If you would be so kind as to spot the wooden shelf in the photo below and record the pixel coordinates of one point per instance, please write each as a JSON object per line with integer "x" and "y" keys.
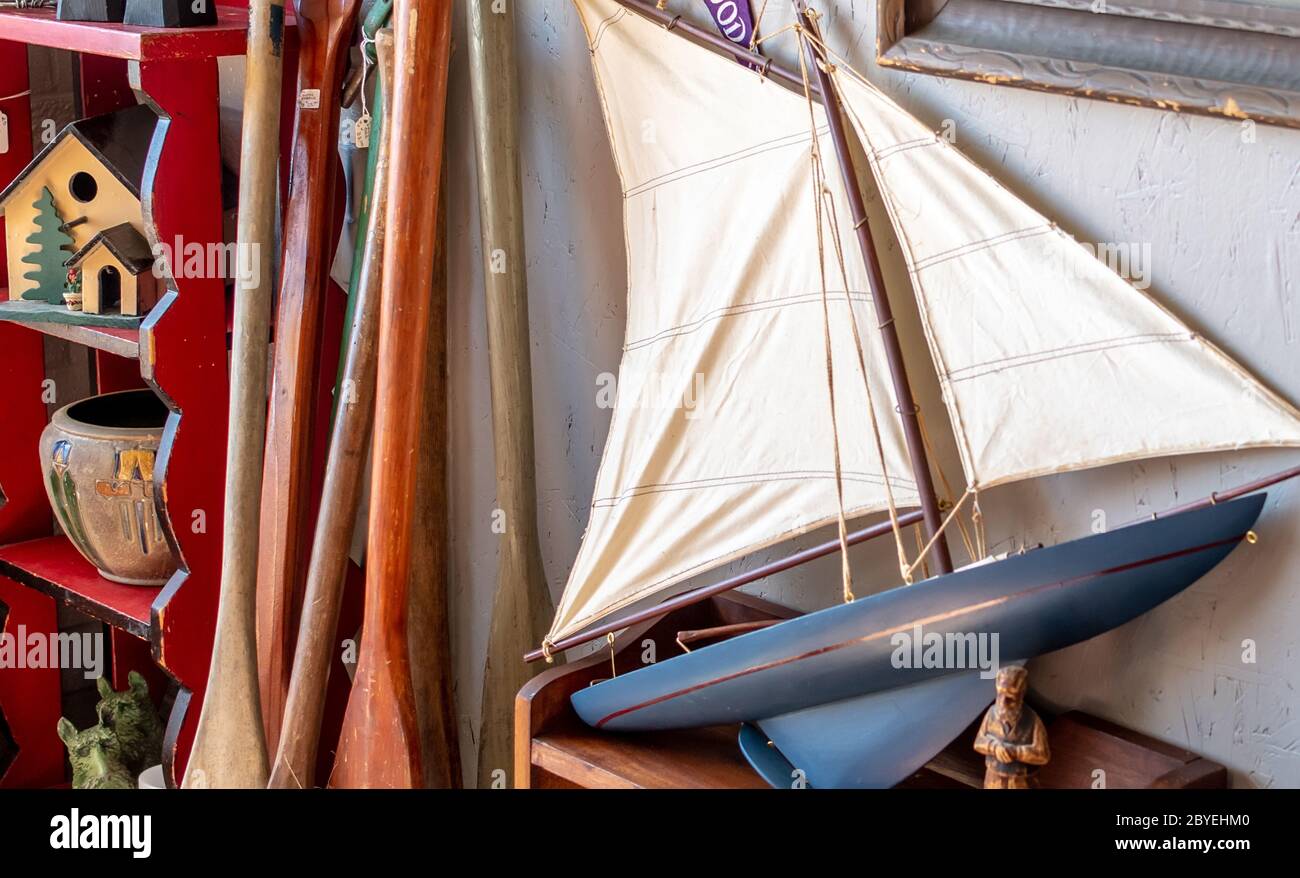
{"x": 44, "y": 312}
{"x": 688, "y": 759}
{"x": 112, "y": 334}
{"x": 53, "y": 566}
{"x": 39, "y": 27}
{"x": 122, "y": 342}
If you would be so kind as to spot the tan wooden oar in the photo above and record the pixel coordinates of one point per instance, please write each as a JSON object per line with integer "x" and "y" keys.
{"x": 522, "y": 607}
{"x": 325, "y": 31}
{"x": 295, "y": 759}
{"x": 229, "y": 747}
{"x": 379, "y": 744}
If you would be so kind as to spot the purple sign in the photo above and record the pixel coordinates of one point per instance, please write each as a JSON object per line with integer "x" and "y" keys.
{"x": 734, "y": 20}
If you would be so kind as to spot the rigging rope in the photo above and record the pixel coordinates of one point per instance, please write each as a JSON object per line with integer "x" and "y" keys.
{"x": 846, "y": 574}
{"x": 758, "y": 22}
{"x": 938, "y": 533}
{"x": 825, "y": 202}
{"x": 947, "y": 488}
{"x": 833, "y": 62}
{"x": 829, "y": 204}
{"x": 977, "y": 519}
{"x": 920, "y": 549}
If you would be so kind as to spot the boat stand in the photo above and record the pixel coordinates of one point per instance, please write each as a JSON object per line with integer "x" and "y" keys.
{"x": 554, "y": 749}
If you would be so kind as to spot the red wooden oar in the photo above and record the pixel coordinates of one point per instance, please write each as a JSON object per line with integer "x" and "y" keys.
{"x": 295, "y": 760}
{"x": 379, "y": 745}
{"x": 324, "y": 32}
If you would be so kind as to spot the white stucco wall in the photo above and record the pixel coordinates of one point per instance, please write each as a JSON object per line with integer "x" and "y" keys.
{"x": 1222, "y": 217}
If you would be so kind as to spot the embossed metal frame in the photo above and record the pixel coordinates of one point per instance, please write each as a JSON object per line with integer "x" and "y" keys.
{"x": 1212, "y": 57}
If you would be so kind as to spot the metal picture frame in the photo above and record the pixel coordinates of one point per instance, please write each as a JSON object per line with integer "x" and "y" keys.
{"x": 1237, "y": 59}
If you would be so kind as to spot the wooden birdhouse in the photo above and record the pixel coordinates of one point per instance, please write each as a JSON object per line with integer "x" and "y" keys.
{"x": 72, "y": 202}
{"x": 115, "y": 275}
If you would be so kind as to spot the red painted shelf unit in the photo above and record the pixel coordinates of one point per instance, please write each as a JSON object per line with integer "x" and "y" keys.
{"x": 180, "y": 350}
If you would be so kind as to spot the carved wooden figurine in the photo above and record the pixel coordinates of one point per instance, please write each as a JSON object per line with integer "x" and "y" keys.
{"x": 1012, "y": 738}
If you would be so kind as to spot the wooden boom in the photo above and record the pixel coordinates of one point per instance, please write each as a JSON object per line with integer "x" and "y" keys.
{"x": 685, "y": 599}
{"x": 522, "y": 608}
{"x": 295, "y": 761}
{"x": 325, "y": 30}
{"x": 379, "y": 744}
{"x": 229, "y": 745}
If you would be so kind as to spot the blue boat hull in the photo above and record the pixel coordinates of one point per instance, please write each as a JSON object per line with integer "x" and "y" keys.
{"x": 868, "y": 741}
{"x": 840, "y": 691}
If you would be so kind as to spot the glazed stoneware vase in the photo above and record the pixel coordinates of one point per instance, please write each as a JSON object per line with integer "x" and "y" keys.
{"x": 98, "y": 458}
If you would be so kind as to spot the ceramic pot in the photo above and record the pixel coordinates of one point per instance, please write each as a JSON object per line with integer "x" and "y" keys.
{"x": 98, "y": 458}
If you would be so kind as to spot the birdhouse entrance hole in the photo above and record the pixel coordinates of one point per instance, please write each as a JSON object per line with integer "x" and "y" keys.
{"x": 83, "y": 187}
{"x": 110, "y": 288}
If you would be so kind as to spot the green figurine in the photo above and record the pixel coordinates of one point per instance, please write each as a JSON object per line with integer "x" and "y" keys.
{"x": 131, "y": 717}
{"x": 127, "y": 739}
{"x": 96, "y": 758}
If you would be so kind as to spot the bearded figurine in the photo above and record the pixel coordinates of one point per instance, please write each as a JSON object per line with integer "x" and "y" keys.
{"x": 1012, "y": 738}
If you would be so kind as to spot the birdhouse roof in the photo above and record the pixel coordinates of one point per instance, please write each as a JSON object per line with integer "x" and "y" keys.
{"x": 119, "y": 140}
{"x": 125, "y": 243}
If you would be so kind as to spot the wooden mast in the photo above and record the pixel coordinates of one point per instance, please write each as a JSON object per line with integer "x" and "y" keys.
{"x": 522, "y": 607}
{"x": 906, "y": 404}
{"x": 229, "y": 744}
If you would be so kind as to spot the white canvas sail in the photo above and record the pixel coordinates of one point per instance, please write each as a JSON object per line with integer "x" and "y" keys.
{"x": 1048, "y": 360}
{"x": 721, "y": 442}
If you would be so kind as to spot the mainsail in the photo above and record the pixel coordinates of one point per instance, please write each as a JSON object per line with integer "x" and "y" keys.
{"x": 720, "y": 441}
{"x": 1048, "y": 360}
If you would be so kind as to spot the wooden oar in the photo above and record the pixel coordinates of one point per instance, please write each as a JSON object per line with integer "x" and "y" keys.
{"x": 376, "y": 17}
{"x": 379, "y": 744}
{"x": 522, "y": 608}
{"x": 324, "y": 31}
{"x": 295, "y": 761}
{"x": 427, "y": 626}
{"x": 229, "y": 747}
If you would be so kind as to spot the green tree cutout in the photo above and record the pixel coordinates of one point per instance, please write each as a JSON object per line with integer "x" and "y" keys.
{"x": 54, "y": 246}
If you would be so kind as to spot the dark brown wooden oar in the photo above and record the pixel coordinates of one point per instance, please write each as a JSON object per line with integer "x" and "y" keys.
{"x": 229, "y": 747}
{"x": 379, "y": 744}
{"x": 295, "y": 760}
{"x": 324, "y": 31}
{"x": 522, "y": 608}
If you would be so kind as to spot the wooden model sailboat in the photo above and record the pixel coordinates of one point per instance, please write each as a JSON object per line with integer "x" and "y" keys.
{"x": 748, "y": 294}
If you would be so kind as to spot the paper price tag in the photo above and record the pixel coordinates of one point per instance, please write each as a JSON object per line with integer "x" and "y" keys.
{"x": 361, "y": 132}
{"x": 4, "y": 133}
{"x": 309, "y": 99}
